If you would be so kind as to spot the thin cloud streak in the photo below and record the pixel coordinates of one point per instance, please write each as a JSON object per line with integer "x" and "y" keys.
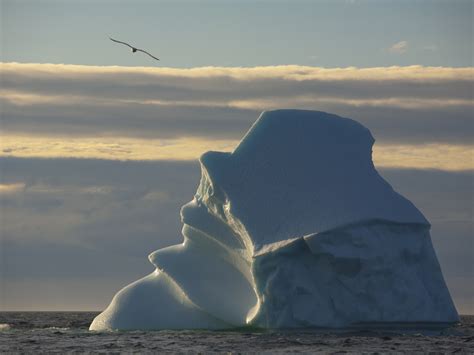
{"x": 114, "y": 148}
{"x": 144, "y": 74}
{"x": 6, "y": 189}
{"x": 423, "y": 156}
{"x": 18, "y": 98}
{"x": 399, "y": 47}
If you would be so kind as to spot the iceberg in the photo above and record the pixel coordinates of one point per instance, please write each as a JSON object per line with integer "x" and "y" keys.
{"x": 294, "y": 228}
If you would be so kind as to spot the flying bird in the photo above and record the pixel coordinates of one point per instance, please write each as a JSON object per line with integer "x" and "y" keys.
{"x": 133, "y": 48}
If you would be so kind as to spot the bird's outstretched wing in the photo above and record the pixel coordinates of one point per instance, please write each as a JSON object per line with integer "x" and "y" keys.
{"x": 121, "y": 42}
{"x": 141, "y": 50}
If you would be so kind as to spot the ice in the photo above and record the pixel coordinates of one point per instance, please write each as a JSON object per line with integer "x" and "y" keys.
{"x": 154, "y": 302}
{"x": 374, "y": 272}
{"x": 295, "y": 228}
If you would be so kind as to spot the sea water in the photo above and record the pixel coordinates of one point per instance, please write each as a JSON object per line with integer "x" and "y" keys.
{"x": 68, "y": 332}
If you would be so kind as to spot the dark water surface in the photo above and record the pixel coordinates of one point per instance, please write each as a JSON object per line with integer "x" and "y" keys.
{"x": 61, "y": 332}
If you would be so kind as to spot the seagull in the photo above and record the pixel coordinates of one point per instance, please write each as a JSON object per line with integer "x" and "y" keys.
{"x": 133, "y": 48}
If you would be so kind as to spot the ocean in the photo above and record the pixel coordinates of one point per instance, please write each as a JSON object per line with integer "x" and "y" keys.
{"x": 61, "y": 332}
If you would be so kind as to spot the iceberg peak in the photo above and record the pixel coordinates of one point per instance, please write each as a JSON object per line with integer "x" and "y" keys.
{"x": 300, "y": 172}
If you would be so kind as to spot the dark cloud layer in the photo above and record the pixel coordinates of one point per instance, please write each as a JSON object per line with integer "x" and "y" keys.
{"x": 72, "y": 219}
{"x": 126, "y": 120}
{"x": 203, "y": 84}
{"x": 388, "y": 125}
{"x": 399, "y": 104}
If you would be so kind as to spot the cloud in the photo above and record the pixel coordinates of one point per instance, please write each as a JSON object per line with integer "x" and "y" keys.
{"x": 89, "y": 214}
{"x": 11, "y": 188}
{"x": 108, "y": 112}
{"x": 151, "y": 123}
{"x": 116, "y": 148}
{"x": 208, "y": 84}
{"x": 424, "y": 156}
{"x": 399, "y": 47}
{"x": 95, "y": 204}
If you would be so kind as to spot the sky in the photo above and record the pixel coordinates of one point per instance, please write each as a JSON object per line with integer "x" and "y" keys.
{"x": 99, "y": 146}
{"x": 240, "y": 33}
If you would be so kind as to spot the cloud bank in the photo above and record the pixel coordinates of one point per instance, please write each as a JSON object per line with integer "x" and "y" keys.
{"x": 96, "y": 161}
{"x": 53, "y": 110}
{"x": 112, "y": 214}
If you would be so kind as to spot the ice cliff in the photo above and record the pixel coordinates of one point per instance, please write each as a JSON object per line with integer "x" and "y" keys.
{"x": 295, "y": 228}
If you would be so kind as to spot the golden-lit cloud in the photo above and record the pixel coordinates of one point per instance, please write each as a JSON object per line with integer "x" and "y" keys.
{"x": 11, "y": 188}
{"x": 146, "y": 75}
{"x": 421, "y": 156}
{"x": 29, "y": 99}
{"x": 115, "y": 148}
{"x": 425, "y": 156}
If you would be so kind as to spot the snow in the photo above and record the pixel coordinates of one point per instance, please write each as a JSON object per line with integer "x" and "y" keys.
{"x": 295, "y": 228}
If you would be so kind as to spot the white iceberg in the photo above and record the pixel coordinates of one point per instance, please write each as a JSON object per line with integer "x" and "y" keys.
{"x": 295, "y": 228}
